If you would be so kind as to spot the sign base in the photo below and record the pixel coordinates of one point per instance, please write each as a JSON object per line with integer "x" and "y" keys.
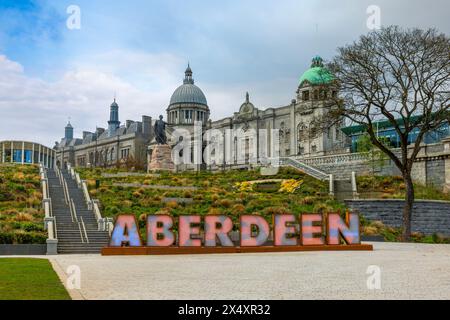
{"x": 139, "y": 251}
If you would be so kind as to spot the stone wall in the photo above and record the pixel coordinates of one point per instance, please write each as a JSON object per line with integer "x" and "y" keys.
{"x": 22, "y": 249}
{"x": 343, "y": 171}
{"x": 429, "y": 217}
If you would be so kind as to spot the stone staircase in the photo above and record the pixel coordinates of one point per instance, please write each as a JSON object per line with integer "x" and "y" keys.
{"x": 75, "y": 235}
{"x": 342, "y": 184}
{"x": 313, "y": 172}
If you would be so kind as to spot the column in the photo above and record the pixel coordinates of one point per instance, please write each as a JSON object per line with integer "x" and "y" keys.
{"x": 23, "y": 152}
{"x": 12, "y": 151}
{"x": 48, "y": 158}
{"x": 39, "y": 154}
{"x": 293, "y": 146}
{"x": 32, "y": 155}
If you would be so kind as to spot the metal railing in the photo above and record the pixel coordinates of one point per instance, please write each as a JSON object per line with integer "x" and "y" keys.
{"x": 50, "y": 220}
{"x": 316, "y": 173}
{"x": 104, "y": 224}
{"x": 83, "y": 226}
{"x": 73, "y": 211}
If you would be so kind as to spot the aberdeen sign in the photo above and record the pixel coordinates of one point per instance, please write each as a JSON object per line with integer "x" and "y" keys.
{"x": 211, "y": 234}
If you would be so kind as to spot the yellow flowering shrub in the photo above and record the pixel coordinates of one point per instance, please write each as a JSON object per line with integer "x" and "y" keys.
{"x": 290, "y": 186}
{"x": 245, "y": 186}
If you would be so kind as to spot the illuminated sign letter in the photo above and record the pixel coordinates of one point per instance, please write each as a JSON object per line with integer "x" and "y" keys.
{"x": 284, "y": 235}
{"x": 186, "y": 231}
{"x": 349, "y": 229}
{"x": 213, "y": 231}
{"x": 160, "y": 227}
{"x": 126, "y": 232}
{"x": 309, "y": 230}
{"x": 247, "y": 223}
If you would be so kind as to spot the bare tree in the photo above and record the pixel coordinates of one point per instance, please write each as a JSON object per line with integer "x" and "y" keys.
{"x": 398, "y": 75}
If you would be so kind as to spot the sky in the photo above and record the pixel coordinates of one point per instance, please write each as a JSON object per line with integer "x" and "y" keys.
{"x": 137, "y": 50}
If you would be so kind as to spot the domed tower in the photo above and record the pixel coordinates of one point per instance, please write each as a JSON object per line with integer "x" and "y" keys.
{"x": 316, "y": 96}
{"x": 317, "y": 83}
{"x": 188, "y": 103}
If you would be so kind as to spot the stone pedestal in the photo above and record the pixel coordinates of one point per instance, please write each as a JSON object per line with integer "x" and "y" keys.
{"x": 161, "y": 158}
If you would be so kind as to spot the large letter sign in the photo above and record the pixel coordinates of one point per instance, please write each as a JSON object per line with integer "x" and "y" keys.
{"x": 191, "y": 234}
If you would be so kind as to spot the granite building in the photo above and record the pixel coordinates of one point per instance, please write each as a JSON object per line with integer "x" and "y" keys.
{"x": 301, "y": 134}
{"x": 297, "y": 122}
{"x": 118, "y": 145}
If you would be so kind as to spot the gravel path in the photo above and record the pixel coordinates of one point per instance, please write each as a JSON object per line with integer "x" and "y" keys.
{"x": 408, "y": 271}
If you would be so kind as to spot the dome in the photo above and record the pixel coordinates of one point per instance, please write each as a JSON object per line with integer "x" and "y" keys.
{"x": 188, "y": 92}
{"x": 317, "y": 74}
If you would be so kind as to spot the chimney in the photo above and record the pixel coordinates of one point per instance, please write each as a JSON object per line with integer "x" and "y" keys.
{"x": 146, "y": 125}
{"x": 99, "y": 131}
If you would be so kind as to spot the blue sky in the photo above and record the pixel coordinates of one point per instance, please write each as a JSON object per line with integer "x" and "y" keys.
{"x": 139, "y": 49}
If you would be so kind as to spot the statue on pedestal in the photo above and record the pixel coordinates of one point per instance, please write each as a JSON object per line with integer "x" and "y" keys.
{"x": 160, "y": 131}
{"x": 161, "y": 153}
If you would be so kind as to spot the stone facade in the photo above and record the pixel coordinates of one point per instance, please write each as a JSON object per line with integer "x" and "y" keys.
{"x": 429, "y": 217}
{"x": 118, "y": 145}
{"x": 300, "y": 131}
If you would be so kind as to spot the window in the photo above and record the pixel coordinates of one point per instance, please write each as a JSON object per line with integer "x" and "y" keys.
{"x": 306, "y": 95}
{"x": 125, "y": 153}
{"x": 188, "y": 116}
{"x": 316, "y": 94}
{"x": 314, "y": 148}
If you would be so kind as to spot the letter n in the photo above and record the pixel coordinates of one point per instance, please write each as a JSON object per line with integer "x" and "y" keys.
{"x": 349, "y": 229}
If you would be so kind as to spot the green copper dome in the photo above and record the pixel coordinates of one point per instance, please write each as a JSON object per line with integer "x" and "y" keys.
{"x": 317, "y": 74}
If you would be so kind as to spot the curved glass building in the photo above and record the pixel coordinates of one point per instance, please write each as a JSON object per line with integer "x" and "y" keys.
{"x": 25, "y": 152}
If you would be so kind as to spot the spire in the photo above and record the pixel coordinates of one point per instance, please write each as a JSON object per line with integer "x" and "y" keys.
{"x": 113, "y": 122}
{"x": 68, "y": 132}
{"x": 247, "y": 98}
{"x": 68, "y": 123}
{"x": 188, "y": 75}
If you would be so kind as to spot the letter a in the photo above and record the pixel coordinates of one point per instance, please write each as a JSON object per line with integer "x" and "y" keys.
{"x": 126, "y": 232}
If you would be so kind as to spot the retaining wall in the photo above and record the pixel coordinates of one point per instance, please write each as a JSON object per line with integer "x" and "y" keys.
{"x": 429, "y": 217}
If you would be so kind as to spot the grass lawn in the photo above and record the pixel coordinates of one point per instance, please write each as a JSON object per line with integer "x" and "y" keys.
{"x": 30, "y": 279}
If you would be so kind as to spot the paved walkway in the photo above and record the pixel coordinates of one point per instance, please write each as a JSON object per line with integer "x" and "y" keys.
{"x": 408, "y": 271}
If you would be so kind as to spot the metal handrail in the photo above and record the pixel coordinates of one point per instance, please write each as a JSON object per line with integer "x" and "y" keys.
{"x": 67, "y": 190}
{"x": 73, "y": 211}
{"x": 104, "y": 224}
{"x": 84, "y": 228}
{"x": 56, "y": 229}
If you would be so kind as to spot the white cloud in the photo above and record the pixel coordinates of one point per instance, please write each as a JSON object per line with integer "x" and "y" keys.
{"x": 37, "y": 110}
